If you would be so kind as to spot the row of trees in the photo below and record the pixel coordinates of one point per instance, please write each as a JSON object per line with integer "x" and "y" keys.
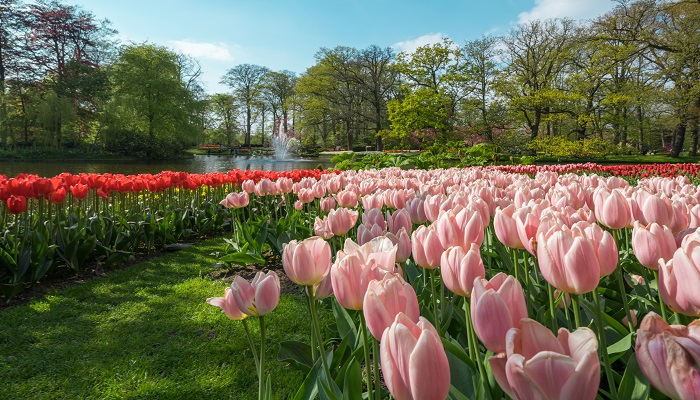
{"x": 65, "y": 83}
{"x": 630, "y": 77}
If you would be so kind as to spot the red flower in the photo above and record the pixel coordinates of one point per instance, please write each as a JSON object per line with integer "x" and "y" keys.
{"x": 59, "y": 195}
{"x": 17, "y": 204}
{"x": 79, "y": 190}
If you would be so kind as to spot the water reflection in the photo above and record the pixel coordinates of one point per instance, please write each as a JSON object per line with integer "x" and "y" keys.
{"x": 198, "y": 164}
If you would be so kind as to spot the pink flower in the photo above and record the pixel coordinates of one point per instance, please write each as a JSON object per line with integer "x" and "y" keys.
{"x": 679, "y": 277}
{"x": 346, "y": 198}
{"x": 539, "y": 365}
{"x": 651, "y": 243}
{"x": 321, "y": 228}
{"x": 426, "y": 247}
{"x": 399, "y": 219}
{"x": 258, "y": 297}
{"x": 350, "y": 278}
{"x": 365, "y": 233}
{"x": 496, "y": 306}
{"x": 460, "y": 228}
{"x": 327, "y": 204}
{"x": 506, "y": 228}
{"x": 459, "y": 269}
{"x": 568, "y": 261}
{"x": 298, "y": 205}
{"x": 236, "y": 200}
{"x": 414, "y": 363}
{"x": 384, "y": 299}
{"x": 416, "y": 210}
{"x": 307, "y": 262}
{"x": 341, "y": 220}
{"x": 403, "y": 244}
{"x": 668, "y": 356}
{"x": 611, "y": 208}
{"x": 228, "y": 304}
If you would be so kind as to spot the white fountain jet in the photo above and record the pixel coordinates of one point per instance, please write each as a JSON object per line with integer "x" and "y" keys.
{"x": 280, "y": 143}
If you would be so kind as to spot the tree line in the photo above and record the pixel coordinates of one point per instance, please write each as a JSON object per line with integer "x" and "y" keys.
{"x": 629, "y": 78}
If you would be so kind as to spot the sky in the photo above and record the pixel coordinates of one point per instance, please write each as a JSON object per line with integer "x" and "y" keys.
{"x": 286, "y": 34}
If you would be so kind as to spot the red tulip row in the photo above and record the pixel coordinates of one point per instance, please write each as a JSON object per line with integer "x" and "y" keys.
{"x": 533, "y": 261}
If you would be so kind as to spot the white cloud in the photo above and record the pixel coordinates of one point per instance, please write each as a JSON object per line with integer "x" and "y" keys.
{"x": 574, "y": 9}
{"x": 410, "y": 46}
{"x": 203, "y": 50}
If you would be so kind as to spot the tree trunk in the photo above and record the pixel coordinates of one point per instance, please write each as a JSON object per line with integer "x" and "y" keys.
{"x": 248, "y": 116}
{"x": 348, "y": 128}
{"x": 640, "y": 120}
{"x": 679, "y": 136}
{"x": 623, "y": 134}
{"x": 694, "y": 136}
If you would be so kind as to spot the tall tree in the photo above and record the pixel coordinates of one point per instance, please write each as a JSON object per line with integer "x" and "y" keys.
{"x": 379, "y": 82}
{"x": 278, "y": 93}
{"x": 245, "y": 81}
{"x": 225, "y": 111}
{"x": 151, "y": 99}
{"x": 536, "y": 53}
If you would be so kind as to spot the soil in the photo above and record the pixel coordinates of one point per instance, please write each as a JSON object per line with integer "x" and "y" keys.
{"x": 95, "y": 270}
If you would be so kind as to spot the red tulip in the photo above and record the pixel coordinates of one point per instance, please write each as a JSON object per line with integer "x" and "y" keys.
{"x": 414, "y": 363}
{"x": 496, "y": 306}
{"x": 384, "y": 299}
{"x": 307, "y": 262}
{"x": 668, "y": 356}
{"x": 228, "y": 304}
{"x": 79, "y": 191}
{"x": 16, "y": 204}
{"x": 58, "y": 195}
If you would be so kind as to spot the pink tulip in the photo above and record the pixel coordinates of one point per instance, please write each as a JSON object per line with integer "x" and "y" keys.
{"x": 539, "y": 365}
{"x": 460, "y": 228}
{"x": 386, "y": 298}
{"x": 228, "y": 304}
{"x": 307, "y": 262}
{"x": 431, "y": 206}
{"x": 496, "y": 306}
{"x": 399, "y": 219}
{"x": 611, "y": 208}
{"x": 568, "y": 261}
{"x": 324, "y": 288}
{"x": 341, "y": 220}
{"x": 668, "y": 356}
{"x": 680, "y": 218}
{"x": 416, "y": 210}
{"x": 284, "y": 185}
{"x": 248, "y": 186}
{"x": 298, "y": 205}
{"x": 506, "y": 228}
{"x": 657, "y": 209}
{"x": 318, "y": 189}
{"x": 350, "y": 278}
{"x": 327, "y": 204}
{"x": 372, "y": 201}
{"x": 236, "y": 200}
{"x": 414, "y": 363}
{"x": 426, "y": 247}
{"x": 625, "y": 320}
{"x": 527, "y": 224}
{"x": 651, "y": 243}
{"x": 346, "y": 198}
{"x": 365, "y": 233}
{"x": 321, "y": 228}
{"x": 679, "y": 277}
{"x": 603, "y": 244}
{"x": 459, "y": 269}
{"x": 403, "y": 244}
{"x": 306, "y": 195}
{"x": 258, "y": 297}
{"x": 374, "y": 216}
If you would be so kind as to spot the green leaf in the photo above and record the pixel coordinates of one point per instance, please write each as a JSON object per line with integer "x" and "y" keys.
{"x": 241, "y": 258}
{"x": 345, "y": 323}
{"x": 634, "y": 385}
{"x": 296, "y": 353}
{"x": 352, "y": 387}
{"x": 308, "y": 388}
{"x": 616, "y": 350}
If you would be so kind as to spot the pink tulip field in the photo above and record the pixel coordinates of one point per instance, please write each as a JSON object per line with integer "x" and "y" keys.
{"x": 479, "y": 283}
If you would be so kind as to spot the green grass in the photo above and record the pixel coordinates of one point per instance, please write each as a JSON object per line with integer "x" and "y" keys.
{"x": 143, "y": 332}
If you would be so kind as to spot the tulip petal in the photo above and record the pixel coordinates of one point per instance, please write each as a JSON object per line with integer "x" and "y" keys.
{"x": 429, "y": 369}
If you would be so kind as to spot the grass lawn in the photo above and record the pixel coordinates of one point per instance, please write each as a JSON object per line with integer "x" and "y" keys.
{"x": 143, "y": 332}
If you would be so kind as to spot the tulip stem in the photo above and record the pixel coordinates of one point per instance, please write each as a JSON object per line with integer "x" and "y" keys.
{"x": 474, "y": 350}
{"x": 604, "y": 343}
{"x": 552, "y": 310}
{"x": 623, "y": 293}
{"x": 252, "y": 344}
{"x": 434, "y": 299}
{"x": 662, "y": 306}
{"x": 314, "y": 340}
{"x": 317, "y": 330}
{"x": 577, "y": 310}
{"x": 365, "y": 348}
{"x": 375, "y": 363}
{"x": 261, "y": 371}
{"x": 515, "y": 264}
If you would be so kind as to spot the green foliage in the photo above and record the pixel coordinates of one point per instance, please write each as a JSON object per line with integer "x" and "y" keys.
{"x": 562, "y": 147}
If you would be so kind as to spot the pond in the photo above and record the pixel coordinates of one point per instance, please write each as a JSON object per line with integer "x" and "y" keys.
{"x": 198, "y": 164}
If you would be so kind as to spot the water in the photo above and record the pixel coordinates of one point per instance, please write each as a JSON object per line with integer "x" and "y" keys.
{"x": 198, "y": 164}
{"x": 281, "y": 143}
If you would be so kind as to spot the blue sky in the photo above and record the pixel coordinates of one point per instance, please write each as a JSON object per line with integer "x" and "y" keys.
{"x": 279, "y": 34}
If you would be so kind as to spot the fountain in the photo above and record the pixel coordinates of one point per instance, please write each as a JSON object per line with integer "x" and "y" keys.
{"x": 280, "y": 143}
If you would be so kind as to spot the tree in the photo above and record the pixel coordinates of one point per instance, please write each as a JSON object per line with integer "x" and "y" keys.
{"x": 379, "y": 82}
{"x": 419, "y": 119}
{"x": 278, "y": 91}
{"x": 151, "y": 103}
{"x": 536, "y": 53}
{"x": 225, "y": 111}
{"x": 245, "y": 81}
